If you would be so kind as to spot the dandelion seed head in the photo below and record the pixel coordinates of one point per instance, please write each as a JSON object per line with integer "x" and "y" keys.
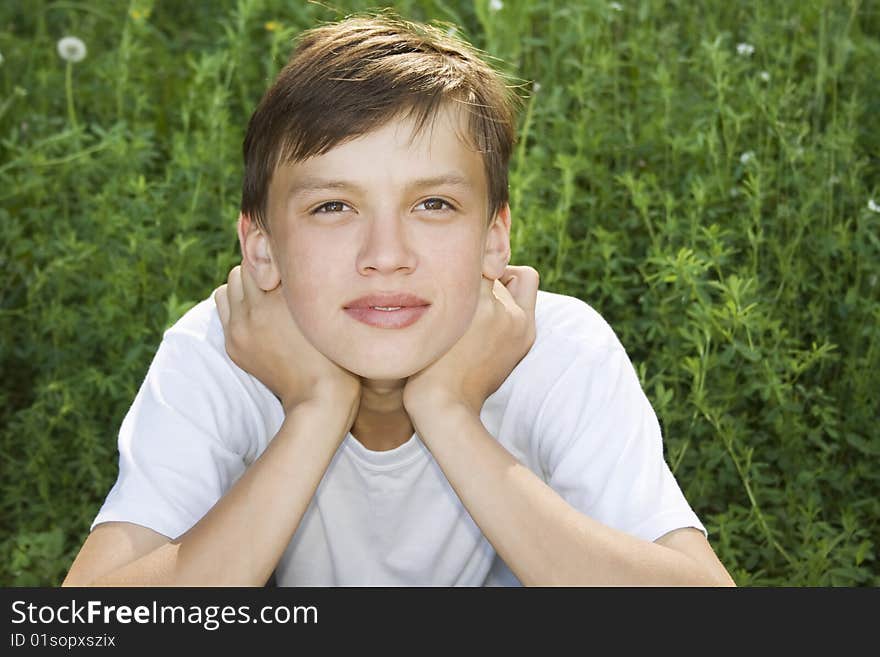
{"x": 71, "y": 49}
{"x": 747, "y": 157}
{"x": 496, "y": 5}
{"x": 872, "y": 206}
{"x": 616, "y": 6}
{"x": 764, "y": 75}
{"x": 745, "y": 49}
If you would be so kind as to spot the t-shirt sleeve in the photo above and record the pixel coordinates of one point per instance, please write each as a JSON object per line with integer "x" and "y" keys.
{"x": 183, "y": 442}
{"x": 602, "y": 448}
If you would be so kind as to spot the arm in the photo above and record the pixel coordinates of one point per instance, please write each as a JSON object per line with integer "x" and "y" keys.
{"x": 232, "y": 544}
{"x": 541, "y": 537}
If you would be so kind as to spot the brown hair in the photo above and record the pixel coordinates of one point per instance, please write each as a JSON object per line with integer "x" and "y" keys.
{"x": 347, "y": 78}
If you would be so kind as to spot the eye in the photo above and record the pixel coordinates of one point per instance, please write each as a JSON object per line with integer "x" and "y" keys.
{"x": 330, "y": 207}
{"x": 435, "y": 204}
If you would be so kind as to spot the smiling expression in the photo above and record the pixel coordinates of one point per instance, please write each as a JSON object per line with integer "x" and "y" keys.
{"x": 386, "y": 220}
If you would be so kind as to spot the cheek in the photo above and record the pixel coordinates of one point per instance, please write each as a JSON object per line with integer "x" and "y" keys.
{"x": 305, "y": 278}
{"x": 455, "y": 267}
{"x": 307, "y": 271}
{"x": 464, "y": 305}
{"x": 458, "y": 280}
{"x": 316, "y": 283}
{"x": 457, "y": 270}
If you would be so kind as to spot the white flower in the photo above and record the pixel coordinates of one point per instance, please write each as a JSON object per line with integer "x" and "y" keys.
{"x": 764, "y": 75}
{"x": 873, "y": 207}
{"x": 496, "y": 5}
{"x": 616, "y": 6}
{"x": 747, "y": 157}
{"x": 745, "y": 49}
{"x": 536, "y": 87}
{"x": 71, "y": 49}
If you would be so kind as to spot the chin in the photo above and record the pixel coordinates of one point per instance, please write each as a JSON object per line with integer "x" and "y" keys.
{"x": 383, "y": 363}
{"x": 381, "y": 369}
{"x": 388, "y": 356}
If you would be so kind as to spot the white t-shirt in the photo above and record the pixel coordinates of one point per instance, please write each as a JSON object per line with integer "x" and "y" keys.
{"x": 572, "y": 411}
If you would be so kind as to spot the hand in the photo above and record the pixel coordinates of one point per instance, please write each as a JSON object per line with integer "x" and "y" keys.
{"x": 499, "y": 336}
{"x": 263, "y": 339}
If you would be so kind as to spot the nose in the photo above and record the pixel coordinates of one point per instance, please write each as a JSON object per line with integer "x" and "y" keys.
{"x": 386, "y": 247}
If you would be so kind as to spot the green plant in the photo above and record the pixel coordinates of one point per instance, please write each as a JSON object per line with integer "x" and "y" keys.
{"x": 706, "y": 176}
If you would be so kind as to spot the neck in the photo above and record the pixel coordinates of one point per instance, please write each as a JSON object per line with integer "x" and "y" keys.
{"x": 382, "y": 423}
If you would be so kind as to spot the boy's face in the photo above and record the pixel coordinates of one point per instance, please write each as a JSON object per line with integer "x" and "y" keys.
{"x": 386, "y": 213}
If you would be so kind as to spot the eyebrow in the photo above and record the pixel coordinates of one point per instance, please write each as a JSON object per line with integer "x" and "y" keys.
{"x": 311, "y": 183}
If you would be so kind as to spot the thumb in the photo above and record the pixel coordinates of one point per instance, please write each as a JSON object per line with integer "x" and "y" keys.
{"x": 222, "y": 301}
{"x": 522, "y": 283}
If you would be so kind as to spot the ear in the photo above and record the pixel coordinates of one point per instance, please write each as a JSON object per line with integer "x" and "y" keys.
{"x": 496, "y": 254}
{"x": 256, "y": 253}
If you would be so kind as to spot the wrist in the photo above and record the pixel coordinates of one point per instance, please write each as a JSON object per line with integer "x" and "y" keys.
{"x": 436, "y": 403}
{"x": 334, "y": 419}
{"x": 443, "y": 422}
{"x": 331, "y": 409}
{"x": 324, "y": 397}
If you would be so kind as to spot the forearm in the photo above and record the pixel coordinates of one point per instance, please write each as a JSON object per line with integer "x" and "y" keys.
{"x": 543, "y": 539}
{"x": 240, "y": 540}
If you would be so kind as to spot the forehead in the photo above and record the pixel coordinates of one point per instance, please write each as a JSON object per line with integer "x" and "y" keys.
{"x": 400, "y": 150}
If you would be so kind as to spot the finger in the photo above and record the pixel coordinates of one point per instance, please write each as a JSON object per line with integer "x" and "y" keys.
{"x": 222, "y": 302}
{"x": 235, "y": 292}
{"x": 485, "y": 298}
{"x": 522, "y": 282}
{"x": 249, "y": 285}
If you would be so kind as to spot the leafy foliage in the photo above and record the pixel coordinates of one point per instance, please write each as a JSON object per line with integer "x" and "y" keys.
{"x": 706, "y": 176}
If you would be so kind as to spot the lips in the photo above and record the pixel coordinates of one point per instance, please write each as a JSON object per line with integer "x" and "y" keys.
{"x": 400, "y": 310}
{"x": 388, "y": 300}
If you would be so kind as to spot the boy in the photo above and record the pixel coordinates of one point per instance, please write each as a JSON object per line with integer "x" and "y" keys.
{"x": 375, "y": 397}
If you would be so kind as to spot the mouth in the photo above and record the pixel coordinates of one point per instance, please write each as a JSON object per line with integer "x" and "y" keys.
{"x": 389, "y": 311}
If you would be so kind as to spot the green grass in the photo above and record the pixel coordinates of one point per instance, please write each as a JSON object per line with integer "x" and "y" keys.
{"x": 714, "y": 204}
